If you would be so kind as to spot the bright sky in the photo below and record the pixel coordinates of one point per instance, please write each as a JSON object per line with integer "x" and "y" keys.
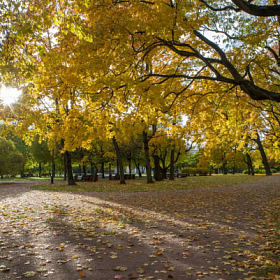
{"x": 9, "y": 95}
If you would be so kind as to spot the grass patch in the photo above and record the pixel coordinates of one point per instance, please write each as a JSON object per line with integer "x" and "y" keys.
{"x": 138, "y": 185}
{"x": 19, "y": 179}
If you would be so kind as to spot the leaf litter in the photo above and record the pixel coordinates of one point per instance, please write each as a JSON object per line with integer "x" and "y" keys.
{"x": 221, "y": 233}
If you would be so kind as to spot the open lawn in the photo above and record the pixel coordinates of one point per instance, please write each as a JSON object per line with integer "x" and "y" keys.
{"x": 139, "y": 185}
{"x": 29, "y": 179}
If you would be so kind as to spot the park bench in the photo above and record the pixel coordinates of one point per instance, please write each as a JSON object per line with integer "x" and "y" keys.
{"x": 129, "y": 176}
{"x": 168, "y": 175}
{"x": 126, "y": 177}
{"x": 85, "y": 178}
{"x": 27, "y": 175}
{"x": 181, "y": 175}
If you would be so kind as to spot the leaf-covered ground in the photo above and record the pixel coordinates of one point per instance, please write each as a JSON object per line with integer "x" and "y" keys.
{"x": 226, "y": 232}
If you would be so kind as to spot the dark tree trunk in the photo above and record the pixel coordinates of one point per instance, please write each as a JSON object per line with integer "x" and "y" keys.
{"x": 129, "y": 165}
{"x": 22, "y": 171}
{"x": 80, "y": 169}
{"x": 139, "y": 170}
{"x": 118, "y": 169}
{"x": 137, "y": 165}
{"x": 172, "y": 159}
{"x": 249, "y": 169}
{"x": 164, "y": 172}
{"x": 110, "y": 172}
{"x": 95, "y": 176}
{"x": 40, "y": 169}
{"x": 103, "y": 169}
{"x": 84, "y": 169}
{"x": 71, "y": 180}
{"x": 264, "y": 158}
{"x": 147, "y": 158}
{"x": 118, "y": 153}
{"x": 225, "y": 170}
{"x": 157, "y": 175}
{"x": 91, "y": 168}
{"x": 53, "y": 168}
{"x": 65, "y": 166}
{"x": 250, "y": 165}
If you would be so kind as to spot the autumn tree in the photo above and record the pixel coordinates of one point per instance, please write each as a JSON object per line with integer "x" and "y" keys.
{"x": 98, "y": 69}
{"x": 40, "y": 152}
{"x": 11, "y": 160}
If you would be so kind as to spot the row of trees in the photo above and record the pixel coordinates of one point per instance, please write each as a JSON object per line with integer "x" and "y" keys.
{"x": 123, "y": 70}
{"x": 102, "y": 156}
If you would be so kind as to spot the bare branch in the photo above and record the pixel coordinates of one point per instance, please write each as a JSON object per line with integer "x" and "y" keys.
{"x": 257, "y": 10}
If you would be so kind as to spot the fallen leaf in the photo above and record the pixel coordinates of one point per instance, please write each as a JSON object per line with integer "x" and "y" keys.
{"x": 29, "y": 274}
{"x": 140, "y": 270}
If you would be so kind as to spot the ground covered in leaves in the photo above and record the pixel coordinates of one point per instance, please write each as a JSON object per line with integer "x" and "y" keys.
{"x": 224, "y": 232}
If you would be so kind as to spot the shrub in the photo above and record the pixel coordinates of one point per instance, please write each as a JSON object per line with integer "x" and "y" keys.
{"x": 193, "y": 171}
{"x": 260, "y": 171}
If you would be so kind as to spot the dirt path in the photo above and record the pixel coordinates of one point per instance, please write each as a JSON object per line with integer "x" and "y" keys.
{"x": 215, "y": 233}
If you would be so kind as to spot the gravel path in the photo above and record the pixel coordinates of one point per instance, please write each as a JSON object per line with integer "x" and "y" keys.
{"x": 215, "y": 233}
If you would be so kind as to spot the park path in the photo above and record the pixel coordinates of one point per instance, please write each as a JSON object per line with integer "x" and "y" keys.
{"x": 215, "y": 233}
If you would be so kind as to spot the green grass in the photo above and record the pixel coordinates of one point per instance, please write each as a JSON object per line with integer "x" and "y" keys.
{"x": 104, "y": 185}
{"x": 19, "y": 179}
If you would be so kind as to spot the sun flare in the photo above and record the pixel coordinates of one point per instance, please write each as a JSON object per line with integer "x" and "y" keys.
{"x": 9, "y": 96}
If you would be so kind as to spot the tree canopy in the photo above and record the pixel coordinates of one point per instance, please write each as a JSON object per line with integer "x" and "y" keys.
{"x": 104, "y": 68}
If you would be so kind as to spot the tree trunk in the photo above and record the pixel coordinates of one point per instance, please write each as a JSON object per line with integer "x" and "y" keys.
{"x": 118, "y": 153}
{"x": 129, "y": 165}
{"x": 164, "y": 172}
{"x": 249, "y": 169}
{"x": 22, "y": 171}
{"x": 65, "y": 167}
{"x": 139, "y": 171}
{"x": 137, "y": 165}
{"x": 118, "y": 169}
{"x": 147, "y": 158}
{"x": 225, "y": 170}
{"x": 110, "y": 172}
{"x": 40, "y": 169}
{"x": 53, "y": 168}
{"x": 95, "y": 176}
{"x": 102, "y": 168}
{"x": 250, "y": 165}
{"x": 264, "y": 158}
{"x": 84, "y": 169}
{"x": 172, "y": 156}
{"x": 157, "y": 175}
{"x": 71, "y": 180}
